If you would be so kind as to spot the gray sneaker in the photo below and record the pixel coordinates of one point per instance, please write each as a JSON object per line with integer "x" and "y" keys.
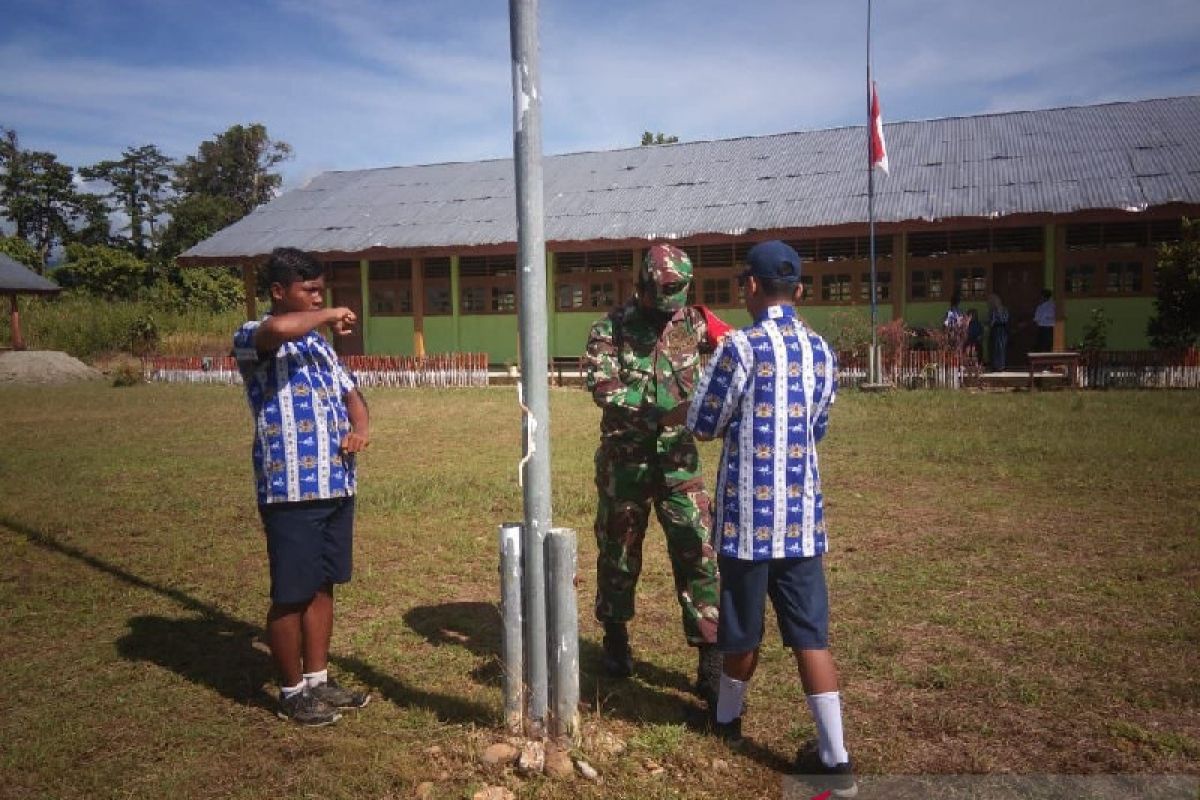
{"x": 334, "y": 694}
{"x": 305, "y": 709}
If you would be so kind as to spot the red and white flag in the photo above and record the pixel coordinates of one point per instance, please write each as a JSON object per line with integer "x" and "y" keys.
{"x": 878, "y": 148}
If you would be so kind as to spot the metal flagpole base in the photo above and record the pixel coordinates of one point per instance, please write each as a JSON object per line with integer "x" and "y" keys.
{"x": 874, "y": 381}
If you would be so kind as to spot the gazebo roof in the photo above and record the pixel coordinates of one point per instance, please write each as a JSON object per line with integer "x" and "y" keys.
{"x": 16, "y": 278}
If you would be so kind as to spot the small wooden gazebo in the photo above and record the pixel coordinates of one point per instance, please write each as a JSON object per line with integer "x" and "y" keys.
{"x": 15, "y": 279}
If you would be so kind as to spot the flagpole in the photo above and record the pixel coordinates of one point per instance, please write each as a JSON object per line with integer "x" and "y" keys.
{"x": 873, "y": 361}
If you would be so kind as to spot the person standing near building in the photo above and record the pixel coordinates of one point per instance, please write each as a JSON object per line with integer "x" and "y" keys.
{"x": 997, "y": 333}
{"x": 310, "y": 421}
{"x": 1043, "y": 318}
{"x": 767, "y": 391}
{"x": 643, "y": 359}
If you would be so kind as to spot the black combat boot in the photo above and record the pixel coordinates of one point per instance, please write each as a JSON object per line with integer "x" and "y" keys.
{"x": 708, "y": 674}
{"x": 618, "y": 658}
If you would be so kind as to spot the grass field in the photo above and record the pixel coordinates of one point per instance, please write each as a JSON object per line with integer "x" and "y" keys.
{"x": 1015, "y": 586}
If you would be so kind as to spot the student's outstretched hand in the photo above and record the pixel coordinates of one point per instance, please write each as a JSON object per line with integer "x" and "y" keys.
{"x": 343, "y": 321}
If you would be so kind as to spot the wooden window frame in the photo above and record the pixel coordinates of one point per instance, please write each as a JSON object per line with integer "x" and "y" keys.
{"x": 1102, "y": 244}
{"x": 391, "y": 275}
{"x": 492, "y": 279}
{"x": 600, "y": 278}
{"x": 435, "y": 277}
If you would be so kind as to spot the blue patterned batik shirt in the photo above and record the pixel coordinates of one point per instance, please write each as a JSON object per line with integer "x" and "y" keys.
{"x": 768, "y": 389}
{"x": 297, "y": 396}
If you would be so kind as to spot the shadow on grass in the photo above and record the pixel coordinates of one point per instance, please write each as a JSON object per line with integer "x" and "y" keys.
{"x": 216, "y": 650}
{"x": 476, "y": 626}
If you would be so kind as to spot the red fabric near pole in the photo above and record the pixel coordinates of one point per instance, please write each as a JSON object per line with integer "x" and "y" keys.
{"x": 878, "y": 148}
{"x": 717, "y": 327}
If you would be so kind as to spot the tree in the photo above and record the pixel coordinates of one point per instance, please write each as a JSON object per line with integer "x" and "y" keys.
{"x": 19, "y": 250}
{"x": 102, "y": 271}
{"x": 194, "y": 219}
{"x": 39, "y": 196}
{"x": 236, "y": 164}
{"x": 139, "y": 182}
{"x": 649, "y": 138}
{"x": 1176, "y": 320}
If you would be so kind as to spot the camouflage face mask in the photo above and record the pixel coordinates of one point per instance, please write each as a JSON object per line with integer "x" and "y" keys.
{"x": 666, "y": 273}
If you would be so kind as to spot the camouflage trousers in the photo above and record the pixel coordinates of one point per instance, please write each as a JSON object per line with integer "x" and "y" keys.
{"x": 627, "y": 490}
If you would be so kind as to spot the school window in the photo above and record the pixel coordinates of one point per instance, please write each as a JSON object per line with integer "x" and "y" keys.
{"x": 835, "y": 288}
{"x": 592, "y": 280}
{"x": 1018, "y": 240}
{"x": 926, "y": 284}
{"x": 488, "y": 284}
{"x": 971, "y": 282}
{"x": 345, "y": 273}
{"x": 715, "y": 268}
{"x": 883, "y": 286}
{"x": 570, "y": 296}
{"x": 436, "y": 276}
{"x": 474, "y": 300}
{"x": 602, "y": 295}
{"x": 716, "y": 291}
{"x": 390, "y": 287}
{"x": 1123, "y": 277}
{"x": 1081, "y": 279}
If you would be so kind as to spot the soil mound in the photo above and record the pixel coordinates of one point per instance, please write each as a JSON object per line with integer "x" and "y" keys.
{"x": 44, "y": 367}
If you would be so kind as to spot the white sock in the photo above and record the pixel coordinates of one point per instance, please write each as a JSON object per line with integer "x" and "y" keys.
{"x": 315, "y": 679}
{"x": 289, "y": 691}
{"x": 730, "y": 699}
{"x": 827, "y": 713}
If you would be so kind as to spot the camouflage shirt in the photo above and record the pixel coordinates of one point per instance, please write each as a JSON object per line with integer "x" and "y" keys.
{"x": 638, "y": 369}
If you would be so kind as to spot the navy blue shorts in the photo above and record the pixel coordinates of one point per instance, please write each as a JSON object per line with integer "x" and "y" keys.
{"x": 796, "y": 587}
{"x": 308, "y": 545}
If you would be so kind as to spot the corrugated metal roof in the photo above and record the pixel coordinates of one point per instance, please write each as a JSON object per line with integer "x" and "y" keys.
{"x": 17, "y": 278}
{"x": 1127, "y": 156}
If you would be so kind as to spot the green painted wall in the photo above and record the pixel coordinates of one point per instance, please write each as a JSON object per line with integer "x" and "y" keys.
{"x": 440, "y": 335}
{"x": 494, "y": 334}
{"x": 1128, "y": 317}
{"x": 390, "y": 336}
{"x": 931, "y": 314}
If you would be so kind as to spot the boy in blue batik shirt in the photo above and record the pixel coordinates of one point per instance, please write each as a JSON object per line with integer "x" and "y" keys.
{"x": 309, "y": 422}
{"x": 768, "y": 390}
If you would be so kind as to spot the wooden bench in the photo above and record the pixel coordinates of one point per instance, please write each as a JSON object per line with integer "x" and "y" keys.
{"x": 1068, "y": 360}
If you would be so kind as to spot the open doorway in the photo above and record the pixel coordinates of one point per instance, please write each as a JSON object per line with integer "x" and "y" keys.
{"x": 1020, "y": 288}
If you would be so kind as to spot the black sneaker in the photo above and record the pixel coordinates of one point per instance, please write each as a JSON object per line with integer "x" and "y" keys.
{"x": 838, "y": 780}
{"x": 728, "y": 732}
{"x": 618, "y": 657}
{"x": 305, "y": 709}
{"x": 334, "y": 694}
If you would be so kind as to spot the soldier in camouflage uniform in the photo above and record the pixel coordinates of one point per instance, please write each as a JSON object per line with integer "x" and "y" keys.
{"x": 643, "y": 359}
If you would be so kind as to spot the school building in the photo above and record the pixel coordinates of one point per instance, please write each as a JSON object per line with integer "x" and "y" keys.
{"x": 1072, "y": 199}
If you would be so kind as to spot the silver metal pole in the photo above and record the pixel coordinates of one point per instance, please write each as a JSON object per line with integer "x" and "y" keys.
{"x": 531, "y": 310}
{"x": 564, "y": 634}
{"x": 510, "y": 616}
{"x": 873, "y": 362}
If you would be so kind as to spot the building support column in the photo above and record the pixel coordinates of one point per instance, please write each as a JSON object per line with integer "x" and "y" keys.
{"x": 1050, "y": 280}
{"x": 18, "y": 343}
{"x": 455, "y": 304}
{"x": 551, "y": 310}
{"x": 418, "y": 307}
{"x": 364, "y": 289}
{"x": 899, "y": 274}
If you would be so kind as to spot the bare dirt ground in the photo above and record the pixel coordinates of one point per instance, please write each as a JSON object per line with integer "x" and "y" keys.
{"x": 44, "y": 367}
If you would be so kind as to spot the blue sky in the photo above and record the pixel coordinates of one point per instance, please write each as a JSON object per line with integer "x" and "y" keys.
{"x": 366, "y": 83}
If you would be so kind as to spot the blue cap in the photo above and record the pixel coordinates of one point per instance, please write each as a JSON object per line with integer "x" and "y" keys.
{"x": 774, "y": 260}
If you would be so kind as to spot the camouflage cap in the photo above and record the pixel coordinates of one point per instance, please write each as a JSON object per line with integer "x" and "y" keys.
{"x": 666, "y": 274}
{"x": 666, "y": 264}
